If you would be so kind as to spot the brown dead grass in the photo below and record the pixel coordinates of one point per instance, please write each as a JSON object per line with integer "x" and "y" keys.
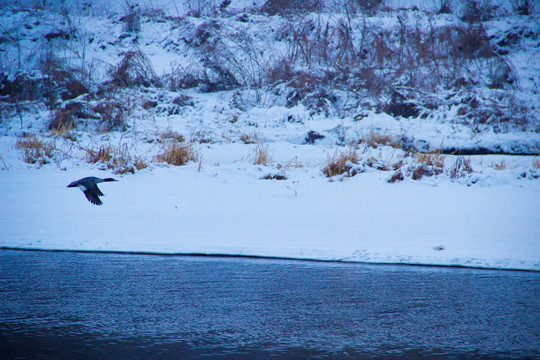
{"x": 341, "y": 163}
{"x": 35, "y": 150}
{"x": 435, "y": 159}
{"x": 248, "y": 139}
{"x": 260, "y": 155}
{"x": 375, "y": 140}
{"x": 427, "y": 164}
{"x": 118, "y": 158}
{"x": 499, "y": 166}
{"x": 102, "y": 154}
{"x": 178, "y": 154}
{"x": 171, "y": 135}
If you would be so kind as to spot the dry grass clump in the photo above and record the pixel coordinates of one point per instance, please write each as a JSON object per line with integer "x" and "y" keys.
{"x": 374, "y": 140}
{"x": 293, "y": 163}
{"x": 123, "y": 162}
{"x": 248, "y": 139}
{"x": 62, "y": 121}
{"x": 118, "y": 159}
{"x": 435, "y": 159}
{"x": 101, "y": 154}
{"x": 65, "y": 132}
{"x": 36, "y": 151}
{"x": 342, "y": 162}
{"x": 427, "y": 164}
{"x": 261, "y": 155}
{"x": 536, "y": 164}
{"x": 422, "y": 170}
{"x": 171, "y": 135}
{"x": 178, "y": 154}
{"x": 378, "y": 164}
{"x": 500, "y": 166}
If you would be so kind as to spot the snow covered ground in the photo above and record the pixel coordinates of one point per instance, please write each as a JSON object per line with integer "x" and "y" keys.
{"x": 229, "y": 209}
{"x": 485, "y": 214}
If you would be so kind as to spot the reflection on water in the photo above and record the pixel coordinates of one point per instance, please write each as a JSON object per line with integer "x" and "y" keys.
{"x": 76, "y": 305}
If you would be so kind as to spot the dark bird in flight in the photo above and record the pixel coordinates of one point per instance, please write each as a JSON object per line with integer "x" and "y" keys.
{"x": 88, "y": 185}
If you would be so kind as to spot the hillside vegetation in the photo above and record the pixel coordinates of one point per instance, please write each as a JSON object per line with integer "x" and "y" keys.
{"x": 141, "y": 83}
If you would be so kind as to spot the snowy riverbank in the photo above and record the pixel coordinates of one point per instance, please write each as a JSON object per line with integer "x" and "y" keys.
{"x": 216, "y": 211}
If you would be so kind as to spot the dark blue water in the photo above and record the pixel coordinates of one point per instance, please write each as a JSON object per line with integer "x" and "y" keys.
{"x": 112, "y": 306}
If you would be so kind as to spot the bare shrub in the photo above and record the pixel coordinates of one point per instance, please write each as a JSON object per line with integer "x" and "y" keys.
{"x": 523, "y": 7}
{"x": 231, "y": 59}
{"x": 461, "y": 168}
{"x": 132, "y": 19}
{"x": 178, "y": 154}
{"x": 368, "y": 6}
{"x": 135, "y": 69}
{"x": 444, "y": 7}
{"x": 282, "y": 7}
{"x": 22, "y": 88}
{"x": 400, "y": 106}
{"x": 74, "y": 88}
{"x": 342, "y": 162}
{"x": 36, "y": 151}
{"x": 478, "y": 10}
{"x": 113, "y": 114}
{"x": 501, "y": 112}
{"x": 472, "y": 42}
{"x": 397, "y": 176}
{"x": 183, "y": 100}
{"x": 198, "y": 8}
{"x": 183, "y": 78}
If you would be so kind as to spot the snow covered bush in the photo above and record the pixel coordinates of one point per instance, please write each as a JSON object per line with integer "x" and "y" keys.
{"x": 461, "y": 168}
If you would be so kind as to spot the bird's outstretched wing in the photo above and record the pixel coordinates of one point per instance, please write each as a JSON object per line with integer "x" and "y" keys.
{"x": 93, "y": 197}
{"x": 97, "y": 191}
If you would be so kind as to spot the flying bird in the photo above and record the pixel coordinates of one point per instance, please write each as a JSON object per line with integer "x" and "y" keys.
{"x": 88, "y": 186}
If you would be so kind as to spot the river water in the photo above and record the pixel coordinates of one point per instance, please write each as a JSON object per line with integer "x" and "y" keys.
{"x": 115, "y": 306}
